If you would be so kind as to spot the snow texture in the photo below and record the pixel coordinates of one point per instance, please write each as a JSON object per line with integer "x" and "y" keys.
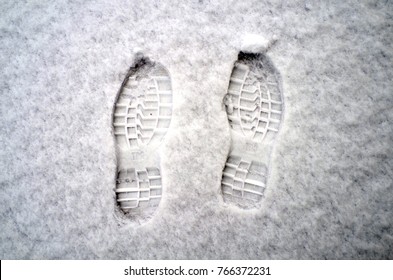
{"x": 330, "y": 191}
{"x": 253, "y": 43}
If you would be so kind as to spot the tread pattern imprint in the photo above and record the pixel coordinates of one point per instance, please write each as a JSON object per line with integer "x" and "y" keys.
{"x": 254, "y": 107}
{"x": 141, "y": 119}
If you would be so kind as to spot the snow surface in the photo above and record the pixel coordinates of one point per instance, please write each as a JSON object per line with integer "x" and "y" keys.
{"x": 330, "y": 194}
{"x": 254, "y": 43}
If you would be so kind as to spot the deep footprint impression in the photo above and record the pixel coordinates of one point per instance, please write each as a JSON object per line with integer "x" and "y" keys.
{"x": 141, "y": 118}
{"x": 254, "y": 105}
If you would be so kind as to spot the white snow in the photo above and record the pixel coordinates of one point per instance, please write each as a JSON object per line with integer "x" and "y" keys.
{"x": 329, "y": 193}
{"x": 254, "y": 43}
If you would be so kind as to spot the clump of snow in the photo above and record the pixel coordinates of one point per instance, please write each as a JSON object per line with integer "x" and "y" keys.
{"x": 253, "y": 43}
{"x": 138, "y": 53}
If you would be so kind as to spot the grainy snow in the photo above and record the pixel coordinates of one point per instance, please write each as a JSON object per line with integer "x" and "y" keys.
{"x": 254, "y": 43}
{"x": 330, "y": 193}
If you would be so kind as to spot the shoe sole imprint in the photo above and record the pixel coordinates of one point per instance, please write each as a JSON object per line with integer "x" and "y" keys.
{"x": 254, "y": 105}
{"x": 138, "y": 188}
{"x": 141, "y": 118}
